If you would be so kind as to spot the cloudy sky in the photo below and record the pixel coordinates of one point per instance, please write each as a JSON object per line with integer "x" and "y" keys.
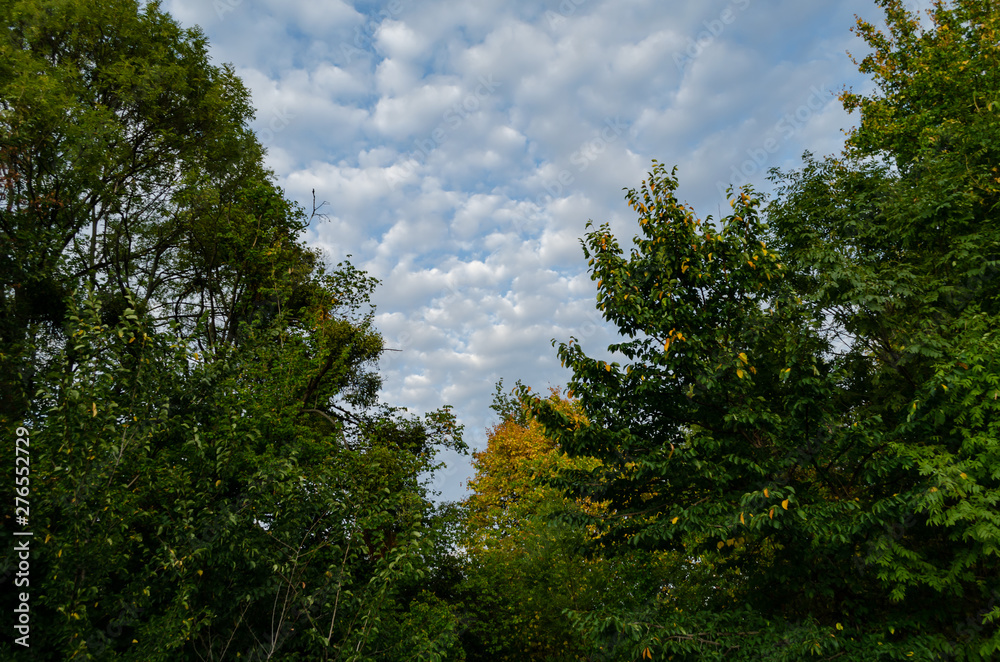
{"x": 462, "y": 147}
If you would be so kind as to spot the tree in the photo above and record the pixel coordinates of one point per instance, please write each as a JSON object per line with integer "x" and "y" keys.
{"x": 212, "y": 472}
{"x": 126, "y": 163}
{"x": 808, "y": 405}
{"x": 188, "y": 508}
{"x": 522, "y": 569}
{"x": 527, "y": 563}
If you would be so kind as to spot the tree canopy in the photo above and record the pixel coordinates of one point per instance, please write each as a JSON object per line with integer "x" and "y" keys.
{"x": 212, "y": 473}
{"x": 795, "y": 452}
{"x": 808, "y": 400}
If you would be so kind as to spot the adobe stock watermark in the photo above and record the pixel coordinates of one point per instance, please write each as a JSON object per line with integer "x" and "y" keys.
{"x": 566, "y": 9}
{"x": 916, "y": 6}
{"x": 394, "y": 350}
{"x": 364, "y": 34}
{"x": 713, "y": 30}
{"x": 454, "y": 290}
{"x": 958, "y": 297}
{"x": 278, "y": 122}
{"x": 100, "y": 640}
{"x": 591, "y": 325}
{"x": 22, "y": 548}
{"x": 223, "y": 7}
{"x": 451, "y": 119}
{"x": 974, "y": 625}
{"x": 587, "y": 153}
{"x": 783, "y": 130}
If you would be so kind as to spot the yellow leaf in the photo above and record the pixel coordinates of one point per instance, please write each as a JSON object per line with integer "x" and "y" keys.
{"x": 963, "y": 475}
{"x": 721, "y": 544}
{"x": 608, "y": 366}
{"x": 743, "y": 357}
{"x": 674, "y": 520}
{"x": 739, "y": 373}
{"x": 742, "y": 521}
{"x": 94, "y": 407}
{"x": 200, "y": 573}
{"x": 765, "y": 493}
{"x": 784, "y": 504}
{"x": 839, "y": 626}
{"x": 218, "y": 482}
{"x": 770, "y": 513}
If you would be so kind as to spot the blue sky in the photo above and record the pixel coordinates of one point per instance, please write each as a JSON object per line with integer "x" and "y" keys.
{"x": 462, "y": 147}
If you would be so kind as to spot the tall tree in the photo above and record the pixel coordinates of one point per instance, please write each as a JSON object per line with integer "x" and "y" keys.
{"x": 809, "y": 405}
{"x": 127, "y": 163}
{"x": 212, "y": 472}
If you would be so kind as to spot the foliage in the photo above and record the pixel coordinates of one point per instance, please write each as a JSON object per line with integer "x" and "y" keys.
{"x": 527, "y": 563}
{"x": 522, "y": 570}
{"x": 506, "y": 490}
{"x": 202, "y": 498}
{"x": 808, "y": 407}
{"x": 212, "y": 473}
{"x": 796, "y": 454}
{"x": 507, "y": 406}
{"x": 126, "y": 164}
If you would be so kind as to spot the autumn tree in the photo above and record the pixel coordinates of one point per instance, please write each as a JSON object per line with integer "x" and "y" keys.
{"x": 521, "y": 569}
{"x": 809, "y": 405}
{"x": 528, "y": 564}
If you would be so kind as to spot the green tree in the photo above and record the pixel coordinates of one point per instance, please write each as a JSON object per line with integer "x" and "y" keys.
{"x": 190, "y": 508}
{"x": 126, "y": 163}
{"x": 212, "y": 473}
{"x": 809, "y": 406}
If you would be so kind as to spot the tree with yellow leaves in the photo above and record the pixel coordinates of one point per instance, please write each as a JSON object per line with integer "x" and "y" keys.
{"x": 528, "y": 562}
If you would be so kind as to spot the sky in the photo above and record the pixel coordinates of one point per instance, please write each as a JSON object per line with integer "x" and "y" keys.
{"x": 461, "y": 148}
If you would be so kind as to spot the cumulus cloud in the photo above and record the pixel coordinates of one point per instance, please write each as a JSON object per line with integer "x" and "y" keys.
{"x": 462, "y": 147}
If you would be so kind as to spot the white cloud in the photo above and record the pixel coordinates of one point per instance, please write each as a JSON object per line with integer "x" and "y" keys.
{"x": 462, "y": 148}
{"x": 397, "y": 40}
